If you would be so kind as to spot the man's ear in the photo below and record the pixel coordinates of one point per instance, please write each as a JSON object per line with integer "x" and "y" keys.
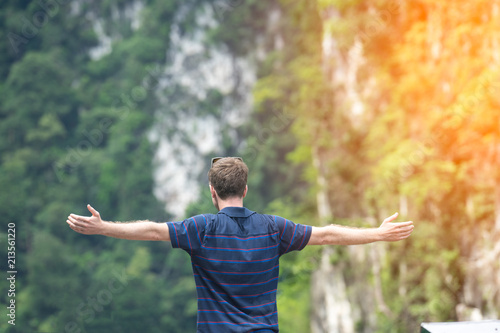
{"x": 245, "y": 192}
{"x": 212, "y": 191}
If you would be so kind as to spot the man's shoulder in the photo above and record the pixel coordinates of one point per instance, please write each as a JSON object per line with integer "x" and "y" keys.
{"x": 274, "y": 218}
{"x": 201, "y": 218}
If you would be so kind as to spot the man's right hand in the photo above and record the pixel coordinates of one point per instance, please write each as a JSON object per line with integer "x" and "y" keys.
{"x": 86, "y": 225}
{"x": 137, "y": 230}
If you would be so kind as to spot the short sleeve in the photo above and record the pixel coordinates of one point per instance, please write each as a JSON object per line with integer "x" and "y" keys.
{"x": 187, "y": 234}
{"x": 292, "y": 236}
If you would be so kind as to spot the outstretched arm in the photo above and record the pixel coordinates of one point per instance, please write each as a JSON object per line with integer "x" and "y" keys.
{"x": 341, "y": 235}
{"x": 138, "y": 230}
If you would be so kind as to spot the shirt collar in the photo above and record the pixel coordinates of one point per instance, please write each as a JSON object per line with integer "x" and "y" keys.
{"x": 236, "y": 212}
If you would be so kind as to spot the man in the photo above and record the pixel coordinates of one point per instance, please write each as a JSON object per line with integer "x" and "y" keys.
{"x": 235, "y": 253}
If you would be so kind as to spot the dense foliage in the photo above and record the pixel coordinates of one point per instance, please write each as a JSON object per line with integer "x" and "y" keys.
{"x": 75, "y": 117}
{"x": 75, "y": 132}
{"x": 397, "y": 109}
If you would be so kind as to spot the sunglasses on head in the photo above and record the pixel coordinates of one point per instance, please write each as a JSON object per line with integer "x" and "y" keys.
{"x": 215, "y": 159}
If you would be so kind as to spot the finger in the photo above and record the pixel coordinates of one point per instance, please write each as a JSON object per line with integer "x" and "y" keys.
{"x": 409, "y": 229}
{"x": 406, "y": 231}
{"x": 404, "y": 224}
{"x": 92, "y": 210}
{"x": 76, "y": 221}
{"x": 72, "y": 217}
{"x": 406, "y": 235}
{"x": 403, "y": 232}
{"x": 406, "y": 228}
{"x": 72, "y": 226}
{"x": 392, "y": 217}
{"x": 80, "y": 218}
{"x": 71, "y": 220}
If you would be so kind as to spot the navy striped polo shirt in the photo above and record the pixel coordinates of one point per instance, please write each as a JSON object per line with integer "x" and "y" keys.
{"x": 235, "y": 259}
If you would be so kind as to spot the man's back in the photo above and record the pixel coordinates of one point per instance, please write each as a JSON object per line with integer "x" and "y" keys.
{"x": 235, "y": 257}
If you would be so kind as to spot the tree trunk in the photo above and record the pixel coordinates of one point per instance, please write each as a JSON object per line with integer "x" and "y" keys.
{"x": 331, "y": 309}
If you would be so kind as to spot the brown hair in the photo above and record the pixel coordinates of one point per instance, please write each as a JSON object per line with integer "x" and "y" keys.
{"x": 229, "y": 177}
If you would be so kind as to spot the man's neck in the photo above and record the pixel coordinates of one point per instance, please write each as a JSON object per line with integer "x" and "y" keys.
{"x": 230, "y": 202}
